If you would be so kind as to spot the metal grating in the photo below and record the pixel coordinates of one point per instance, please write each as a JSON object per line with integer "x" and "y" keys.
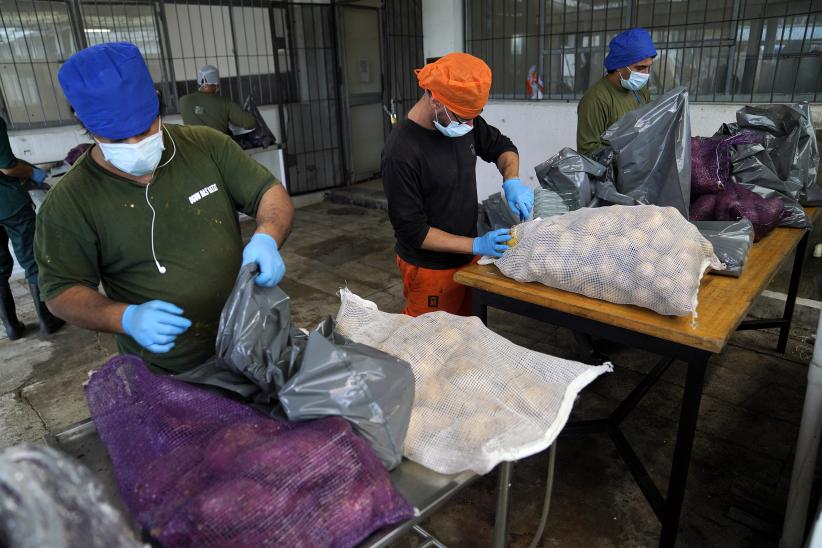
{"x": 722, "y": 50}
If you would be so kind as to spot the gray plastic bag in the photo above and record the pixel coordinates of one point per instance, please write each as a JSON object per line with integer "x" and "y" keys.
{"x": 570, "y": 175}
{"x": 732, "y": 240}
{"x": 652, "y": 147}
{"x": 371, "y": 389}
{"x": 283, "y": 371}
{"x": 50, "y": 499}
{"x": 753, "y": 168}
{"x": 497, "y": 212}
{"x": 790, "y": 142}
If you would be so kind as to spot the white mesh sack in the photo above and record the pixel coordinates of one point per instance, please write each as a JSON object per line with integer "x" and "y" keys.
{"x": 642, "y": 255}
{"x": 479, "y": 398}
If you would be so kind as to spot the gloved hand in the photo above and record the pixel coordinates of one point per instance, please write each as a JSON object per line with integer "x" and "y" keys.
{"x": 154, "y": 325}
{"x": 520, "y": 197}
{"x": 38, "y": 176}
{"x": 492, "y": 243}
{"x": 262, "y": 249}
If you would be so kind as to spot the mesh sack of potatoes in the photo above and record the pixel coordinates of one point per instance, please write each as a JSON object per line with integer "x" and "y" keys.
{"x": 479, "y": 398}
{"x": 642, "y": 255}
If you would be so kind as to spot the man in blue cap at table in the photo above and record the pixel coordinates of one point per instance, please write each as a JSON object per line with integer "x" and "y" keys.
{"x": 622, "y": 89}
{"x": 150, "y": 211}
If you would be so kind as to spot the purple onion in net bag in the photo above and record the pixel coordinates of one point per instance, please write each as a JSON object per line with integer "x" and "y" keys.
{"x": 736, "y": 202}
{"x": 711, "y": 160}
{"x": 198, "y": 469}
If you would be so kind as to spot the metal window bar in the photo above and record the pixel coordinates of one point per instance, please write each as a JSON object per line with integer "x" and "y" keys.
{"x": 742, "y": 57}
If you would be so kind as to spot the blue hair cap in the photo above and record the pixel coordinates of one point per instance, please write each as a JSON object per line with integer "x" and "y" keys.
{"x": 628, "y": 47}
{"x": 111, "y": 90}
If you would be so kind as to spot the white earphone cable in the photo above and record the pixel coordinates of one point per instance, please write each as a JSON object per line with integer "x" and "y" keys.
{"x": 160, "y": 268}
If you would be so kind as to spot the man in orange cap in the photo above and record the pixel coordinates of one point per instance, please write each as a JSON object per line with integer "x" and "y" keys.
{"x": 429, "y": 177}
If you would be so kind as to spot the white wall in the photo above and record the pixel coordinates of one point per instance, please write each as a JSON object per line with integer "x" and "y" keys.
{"x": 41, "y": 146}
{"x": 442, "y": 28}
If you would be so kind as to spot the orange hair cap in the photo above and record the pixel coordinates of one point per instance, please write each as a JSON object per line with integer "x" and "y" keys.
{"x": 459, "y": 81}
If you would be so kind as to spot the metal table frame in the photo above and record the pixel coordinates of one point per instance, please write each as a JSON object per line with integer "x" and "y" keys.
{"x": 668, "y": 507}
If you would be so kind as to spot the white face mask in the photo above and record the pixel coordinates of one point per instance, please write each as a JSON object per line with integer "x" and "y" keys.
{"x": 635, "y": 82}
{"x": 135, "y": 159}
{"x": 454, "y": 128}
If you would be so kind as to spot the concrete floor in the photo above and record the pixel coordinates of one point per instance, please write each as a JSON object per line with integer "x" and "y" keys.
{"x": 742, "y": 455}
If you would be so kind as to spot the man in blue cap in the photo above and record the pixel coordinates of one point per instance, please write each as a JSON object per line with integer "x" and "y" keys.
{"x": 622, "y": 89}
{"x": 150, "y": 212}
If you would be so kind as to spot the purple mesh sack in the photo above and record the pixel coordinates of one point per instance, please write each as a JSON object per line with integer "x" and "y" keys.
{"x": 736, "y": 202}
{"x": 711, "y": 161}
{"x": 198, "y": 469}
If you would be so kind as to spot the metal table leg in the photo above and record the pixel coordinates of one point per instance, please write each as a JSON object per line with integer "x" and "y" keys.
{"x": 505, "y": 471}
{"x": 689, "y": 414}
{"x": 793, "y": 289}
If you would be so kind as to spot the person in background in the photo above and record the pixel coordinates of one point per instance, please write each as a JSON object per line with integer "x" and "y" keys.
{"x": 205, "y": 108}
{"x": 17, "y": 223}
{"x": 150, "y": 211}
{"x": 623, "y": 88}
{"x": 429, "y": 177}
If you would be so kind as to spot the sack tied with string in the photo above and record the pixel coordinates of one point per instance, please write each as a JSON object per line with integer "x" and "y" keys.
{"x": 642, "y": 255}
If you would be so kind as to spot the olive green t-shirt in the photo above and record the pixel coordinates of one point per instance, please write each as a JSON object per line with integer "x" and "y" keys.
{"x": 214, "y": 111}
{"x": 12, "y": 195}
{"x": 95, "y": 227}
{"x": 600, "y": 107}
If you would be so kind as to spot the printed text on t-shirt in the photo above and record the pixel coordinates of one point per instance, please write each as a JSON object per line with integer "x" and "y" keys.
{"x": 202, "y": 193}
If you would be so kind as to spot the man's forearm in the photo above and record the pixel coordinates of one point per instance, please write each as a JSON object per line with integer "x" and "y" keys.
{"x": 508, "y": 165}
{"x": 275, "y": 214}
{"x": 87, "y": 308}
{"x": 21, "y": 170}
{"x": 440, "y": 240}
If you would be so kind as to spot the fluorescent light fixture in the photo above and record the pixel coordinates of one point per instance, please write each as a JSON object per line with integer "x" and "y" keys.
{"x": 98, "y": 31}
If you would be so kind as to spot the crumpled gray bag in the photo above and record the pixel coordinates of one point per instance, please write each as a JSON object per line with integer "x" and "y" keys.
{"x": 371, "y": 389}
{"x": 790, "y": 142}
{"x": 652, "y": 151}
{"x": 49, "y": 499}
{"x": 282, "y": 370}
{"x": 570, "y": 175}
{"x": 732, "y": 240}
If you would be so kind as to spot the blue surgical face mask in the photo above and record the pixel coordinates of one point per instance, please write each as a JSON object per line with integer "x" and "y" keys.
{"x": 454, "y": 128}
{"x": 138, "y": 158}
{"x": 635, "y": 82}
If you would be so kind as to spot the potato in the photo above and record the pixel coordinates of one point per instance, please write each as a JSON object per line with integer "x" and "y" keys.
{"x": 645, "y": 271}
{"x": 163, "y": 472}
{"x": 229, "y": 442}
{"x": 238, "y": 504}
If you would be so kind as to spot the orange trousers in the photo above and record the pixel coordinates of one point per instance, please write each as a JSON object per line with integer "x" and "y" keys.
{"x": 429, "y": 290}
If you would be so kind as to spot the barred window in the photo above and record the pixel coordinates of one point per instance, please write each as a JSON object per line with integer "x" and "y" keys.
{"x": 722, "y": 50}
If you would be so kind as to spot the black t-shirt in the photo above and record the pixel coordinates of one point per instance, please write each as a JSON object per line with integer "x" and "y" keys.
{"x": 430, "y": 181}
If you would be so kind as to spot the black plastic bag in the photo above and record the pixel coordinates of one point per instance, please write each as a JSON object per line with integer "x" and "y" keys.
{"x": 570, "y": 175}
{"x": 283, "y": 371}
{"x": 262, "y": 135}
{"x": 652, "y": 147}
{"x": 732, "y": 240}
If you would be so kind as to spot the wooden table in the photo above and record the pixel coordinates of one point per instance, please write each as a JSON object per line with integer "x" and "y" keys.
{"x": 723, "y": 304}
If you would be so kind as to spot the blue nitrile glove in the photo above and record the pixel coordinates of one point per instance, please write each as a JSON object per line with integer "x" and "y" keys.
{"x": 38, "y": 176}
{"x": 492, "y": 243}
{"x": 154, "y": 325}
{"x": 262, "y": 249}
{"x": 520, "y": 197}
